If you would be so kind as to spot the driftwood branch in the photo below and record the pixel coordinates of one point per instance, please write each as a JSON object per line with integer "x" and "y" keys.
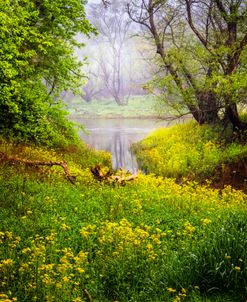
{"x": 100, "y": 175}
{"x": 29, "y": 162}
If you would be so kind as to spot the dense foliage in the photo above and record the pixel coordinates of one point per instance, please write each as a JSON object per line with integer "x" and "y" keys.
{"x": 150, "y": 240}
{"x": 37, "y": 42}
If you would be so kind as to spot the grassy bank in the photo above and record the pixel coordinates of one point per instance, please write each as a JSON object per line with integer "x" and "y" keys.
{"x": 138, "y": 107}
{"x": 150, "y": 240}
{"x": 190, "y": 150}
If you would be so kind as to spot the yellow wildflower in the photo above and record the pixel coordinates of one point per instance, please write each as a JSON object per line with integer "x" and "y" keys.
{"x": 78, "y": 299}
{"x": 26, "y": 250}
{"x": 227, "y": 257}
{"x": 65, "y": 279}
{"x": 189, "y": 228}
{"x": 206, "y": 221}
{"x": 9, "y": 235}
{"x": 47, "y": 280}
{"x": 3, "y": 296}
{"x": 64, "y": 227}
{"x": 80, "y": 270}
{"x": 6, "y": 262}
{"x": 171, "y": 290}
{"x": 183, "y": 290}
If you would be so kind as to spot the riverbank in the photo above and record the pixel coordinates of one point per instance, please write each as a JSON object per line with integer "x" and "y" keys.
{"x": 138, "y": 107}
{"x": 149, "y": 240}
{"x": 190, "y": 151}
{"x": 116, "y": 136}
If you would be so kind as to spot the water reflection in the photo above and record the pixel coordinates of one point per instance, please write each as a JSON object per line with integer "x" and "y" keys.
{"x": 122, "y": 155}
{"x": 116, "y": 136}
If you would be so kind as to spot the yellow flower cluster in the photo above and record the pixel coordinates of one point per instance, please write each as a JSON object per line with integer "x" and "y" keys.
{"x": 180, "y": 296}
{"x": 120, "y": 237}
{"x": 11, "y": 240}
{"x": 6, "y": 262}
{"x": 187, "y": 196}
{"x": 38, "y": 270}
{"x": 206, "y": 221}
{"x": 88, "y": 230}
{"x": 189, "y": 228}
{"x": 6, "y": 298}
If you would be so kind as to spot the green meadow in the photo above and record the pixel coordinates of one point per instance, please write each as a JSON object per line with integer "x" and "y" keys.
{"x": 138, "y": 107}
{"x": 149, "y": 239}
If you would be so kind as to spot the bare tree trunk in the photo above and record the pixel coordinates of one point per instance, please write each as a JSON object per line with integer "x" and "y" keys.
{"x": 87, "y": 97}
{"x": 121, "y": 101}
{"x": 232, "y": 116}
{"x": 207, "y": 103}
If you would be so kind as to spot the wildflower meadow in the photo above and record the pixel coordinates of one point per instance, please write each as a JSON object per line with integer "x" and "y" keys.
{"x": 151, "y": 239}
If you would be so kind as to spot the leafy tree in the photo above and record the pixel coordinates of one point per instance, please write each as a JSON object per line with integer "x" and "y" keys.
{"x": 37, "y": 39}
{"x": 202, "y": 46}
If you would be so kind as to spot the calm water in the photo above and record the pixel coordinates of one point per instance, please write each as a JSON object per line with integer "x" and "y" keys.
{"x": 116, "y": 136}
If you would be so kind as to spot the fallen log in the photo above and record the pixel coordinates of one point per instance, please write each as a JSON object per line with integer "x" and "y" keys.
{"x": 101, "y": 175}
{"x": 29, "y": 162}
{"x": 124, "y": 178}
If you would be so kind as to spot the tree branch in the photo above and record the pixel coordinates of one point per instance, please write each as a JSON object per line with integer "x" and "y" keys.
{"x": 64, "y": 165}
{"x": 222, "y": 9}
{"x": 192, "y": 26}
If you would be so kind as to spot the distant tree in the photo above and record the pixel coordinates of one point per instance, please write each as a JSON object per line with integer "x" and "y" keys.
{"x": 202, "y": 49}
{"x": 113, "y": 26}
{"x": 93, "y": 87}
{"x": 37, "y": 63}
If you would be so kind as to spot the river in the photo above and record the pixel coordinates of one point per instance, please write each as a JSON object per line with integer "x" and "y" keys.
{"x": 116, "y": 136}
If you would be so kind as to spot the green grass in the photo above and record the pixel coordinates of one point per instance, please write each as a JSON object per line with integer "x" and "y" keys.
{"x": 188, "y": 150}
{"x": 138, "y": 107}
{"x": 151, "y": 240}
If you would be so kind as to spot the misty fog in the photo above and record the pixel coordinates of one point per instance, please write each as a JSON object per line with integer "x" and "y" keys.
{"x": 115, "y": 60}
